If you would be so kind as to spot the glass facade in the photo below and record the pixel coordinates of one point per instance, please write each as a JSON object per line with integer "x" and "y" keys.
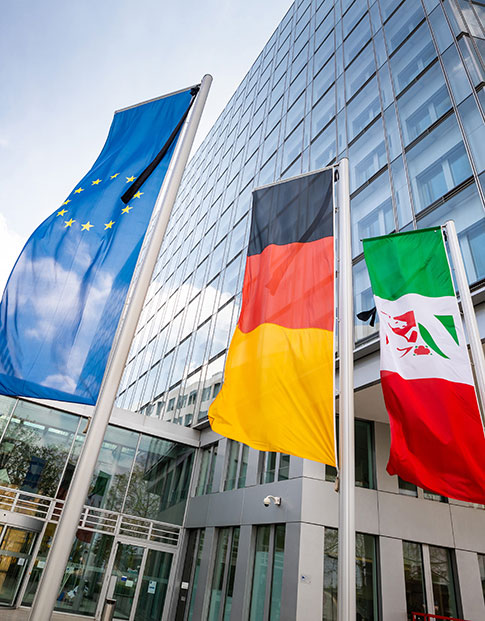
{"x": 395, "y": 87}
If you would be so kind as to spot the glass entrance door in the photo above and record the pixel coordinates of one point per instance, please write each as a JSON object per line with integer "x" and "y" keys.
{"x": 124, "y": 578}
{"x": 154, "y": 584}
{"x": 15, "y": 553}
{"x": 139, "y": 581}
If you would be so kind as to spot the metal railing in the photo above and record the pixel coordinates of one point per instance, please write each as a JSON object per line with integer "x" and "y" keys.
{"x": 427, "y": 616}
{"x": 92, "y": 519}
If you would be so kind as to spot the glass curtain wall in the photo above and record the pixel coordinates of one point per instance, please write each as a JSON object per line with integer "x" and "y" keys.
{"x": 396, "y": 87}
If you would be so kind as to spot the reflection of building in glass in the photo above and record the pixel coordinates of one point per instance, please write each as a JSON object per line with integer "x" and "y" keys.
{"x": 175, "y": 520}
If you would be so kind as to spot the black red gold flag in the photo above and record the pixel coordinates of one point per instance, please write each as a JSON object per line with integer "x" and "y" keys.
{"x": 278, "y": 391}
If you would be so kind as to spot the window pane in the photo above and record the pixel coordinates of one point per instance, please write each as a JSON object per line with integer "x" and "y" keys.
{"x": 368, "y": 155}
{"x": 218, "y": 574}
{"x": 466, "y": 210}
{"x": 437, "y": 164}
{"x": 371, "y": 212}
{"x": 414, "y": 577}
{"x": 160, "y": 479}
{"x": 35, "y": 447}
{"x": 195, "y": 578}
{"x": 424, "y": 103}
{"x": 364, "y": 463}
{"x": 330, "y": 575}
{"x": 232, "y": 461}
{"x": 277, "y": 578}
{"x": 408, "y": 489}
{"x": 414, "y": 56}
{"x": 231, "y": 575}
{"x": 243, "y": 468}
{"x": 443, "y": 582}
{"x": 260, "y": 573}
{"x": 363, "y": 109}
{"x": 366, "y": 576}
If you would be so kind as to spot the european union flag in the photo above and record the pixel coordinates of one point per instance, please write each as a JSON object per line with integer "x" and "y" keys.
{"x": 64, "y": 297}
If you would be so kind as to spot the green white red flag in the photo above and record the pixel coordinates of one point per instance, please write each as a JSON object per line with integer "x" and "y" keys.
{"x": 437, "y": 437}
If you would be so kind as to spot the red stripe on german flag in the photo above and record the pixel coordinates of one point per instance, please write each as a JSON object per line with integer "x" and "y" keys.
{"x": 278, "y": 391}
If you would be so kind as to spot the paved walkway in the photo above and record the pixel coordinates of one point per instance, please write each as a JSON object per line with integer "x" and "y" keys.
{"x": 22, "y": 614}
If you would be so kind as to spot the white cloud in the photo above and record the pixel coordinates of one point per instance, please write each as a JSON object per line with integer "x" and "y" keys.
{"x": 11, "y": 243}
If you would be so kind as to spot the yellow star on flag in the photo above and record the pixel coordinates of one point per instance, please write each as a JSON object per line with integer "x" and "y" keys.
{"x": 109, "y": 225}
{"x": 129, "y": 179}
{"x": 87, "y": 226}
{"x": 96, "y": 182}
{"x": 138, "y": 194}
{"x": 78, "y": 191}
{"x": 126, "y": 209}
{"x": 114, "y": 176}
{"x": 62, "y": 212}
{"x": 69, "y": 222}
{"x": 65, "y": 202}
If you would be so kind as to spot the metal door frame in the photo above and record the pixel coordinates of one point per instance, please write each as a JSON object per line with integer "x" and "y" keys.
{"x": 146, "y": 545}
{"x": 22, "y": 583}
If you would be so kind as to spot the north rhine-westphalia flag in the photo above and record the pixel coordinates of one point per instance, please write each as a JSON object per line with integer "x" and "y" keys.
{"x": 437, "y": 438}
{"x": 278, "y": 391}
{"x": 64, "y": 297}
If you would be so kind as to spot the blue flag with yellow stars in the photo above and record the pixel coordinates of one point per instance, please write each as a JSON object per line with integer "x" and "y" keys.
{"x": 63, "y": 300}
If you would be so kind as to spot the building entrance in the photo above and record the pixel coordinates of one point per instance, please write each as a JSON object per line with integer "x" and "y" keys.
{"x": 15, "y": 553}
{"x": 139, "y": 578}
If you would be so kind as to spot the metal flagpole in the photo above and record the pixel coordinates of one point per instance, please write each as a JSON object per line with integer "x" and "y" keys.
{"x": 346, "y": 536}
{"x": 468, "y": 312}
{"x": 48, "y": 590}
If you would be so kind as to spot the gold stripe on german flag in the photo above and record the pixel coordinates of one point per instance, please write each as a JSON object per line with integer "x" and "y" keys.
{"x": 278, "y": 391}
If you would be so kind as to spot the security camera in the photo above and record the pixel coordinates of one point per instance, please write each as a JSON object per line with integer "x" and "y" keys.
{"x": 275, "y": 499}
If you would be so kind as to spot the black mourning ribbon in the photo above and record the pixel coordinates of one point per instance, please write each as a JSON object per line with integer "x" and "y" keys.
{"x": 140, "y": 180}
{"x": 368, "y": 315}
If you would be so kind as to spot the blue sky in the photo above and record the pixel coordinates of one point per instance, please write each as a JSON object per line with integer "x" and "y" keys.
{"x": 67, "y": 65}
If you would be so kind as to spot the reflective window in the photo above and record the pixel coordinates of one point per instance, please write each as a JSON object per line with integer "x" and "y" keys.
{"x": 443, "y": 582}
{"x": 368, "y": 155}
{"x": 273, "y": 467}
{"x": 363, "y": 301}
{"x": 466, "y": 210}
{"x": 363, "y": 109}
{"x": 474, "y": 130}
{"x": 366, "y": 576}
{"x": 356, "y": 40}
{"x": 371, "y": 212}
{"x": 195, "y": 574}
{"x": 412, "y": 58}
{"x": 159, "y": 481}
{"x": 423, "y": 104}
{"x": 223, "y": 575}
{"x": 323, "y": 149}
{"x": 402, "y": 23}
{"x": 236, "y": 465}
{"x": 364, "y": 455}
{"x": 35, "y": 448}
{"x": 110, "y": 477}
{"x": 206, "y": 472}
{"x": 323, "y": 112}
{"x": 267, "y": 573}
{"x": 360, "y": 71}
{"x": 437, "y": 164}
{"x": 414, "y": 577}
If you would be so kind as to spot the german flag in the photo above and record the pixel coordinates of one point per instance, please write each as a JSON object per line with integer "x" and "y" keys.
{"x": 278, "y": 391}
